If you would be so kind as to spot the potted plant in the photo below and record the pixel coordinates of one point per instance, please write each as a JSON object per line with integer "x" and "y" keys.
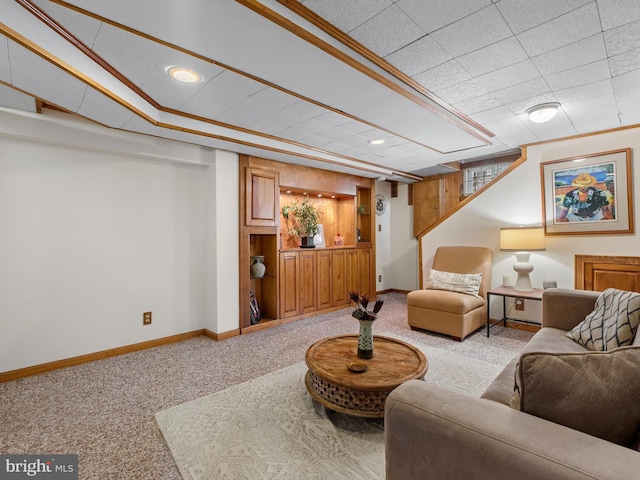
{"x": 302, "y": 218}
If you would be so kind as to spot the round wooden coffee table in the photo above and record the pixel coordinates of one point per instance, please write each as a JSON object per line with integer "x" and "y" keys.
{"x": 331, "y": 382}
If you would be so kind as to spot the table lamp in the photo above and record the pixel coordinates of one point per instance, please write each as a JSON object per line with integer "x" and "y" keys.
{"x": 522, "y": 240}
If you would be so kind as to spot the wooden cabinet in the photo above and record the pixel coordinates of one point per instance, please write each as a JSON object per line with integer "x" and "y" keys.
{"x": 326, "y": 277}
{"x": 289, "y": 286}
{"x": 365, "y": 277}
{"x": 262, "y": 198}
{"x": 307, "y": 281}
{"x": 339, "y": 289}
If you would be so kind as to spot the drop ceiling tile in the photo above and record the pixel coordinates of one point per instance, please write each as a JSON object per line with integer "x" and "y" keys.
{"x": 267, "y": 126}
{"x": 525, "y": 90}
{"x": 388, "y": 31}
{"x": 473, "y": 32}
{"x": 14, "y": 99}
{"x": 334, "y": 118}
{"x": 626, "y": 81}
{"x": 479, "y": 104}
{"x": 630, "y": 96}
{"x": 140, "y": 125}
{"x": 421, "y": 55}
{"x": 245, "y": 113}
{"x": 569, "y": 28}
{"x": 354, "y": 126}
{"x": 99, "y": 107}
{"x": 492, "y": 115}
{"x": 221, "y": 94}
{"x": 27, "y": 70}
{"x": 347, "y": 15}
{"x": 439, "y": 13}
{"x": 113, "y": 40}
{"x": 522, "y": 15}
{"x": 583, "y": 75}
{"x": 580, "y": 53}
{"x": 293, "y": 134}
{"x": 137, "y": 70}
{"x": 618, "y": 12}
{"x": 494, "y": 57}
{"x": 305, "y": 108}
{"x": 442, "y": 76}
{"x": 622, "y": 39}
{"x": 594, "y": 89}
{"x": 83, "y": 27}
{"x": 625, "y": 62}
{"x": 167, "y": 91}
{"x": 589, "y": 108}
{"x": 274, "y": 98}
{"x": 462, "y": 91}
{"x": 5, "y": 71}
{"x": 596, "y": 124}
{"x": 509, "y": 76}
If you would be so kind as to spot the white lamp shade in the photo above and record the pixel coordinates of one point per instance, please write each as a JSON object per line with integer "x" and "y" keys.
{"x": 523, "y": 239}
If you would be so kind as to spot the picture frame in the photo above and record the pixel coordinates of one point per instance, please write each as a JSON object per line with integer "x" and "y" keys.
{"x": 318, "y": 239}
{"x": 588, "y": 194}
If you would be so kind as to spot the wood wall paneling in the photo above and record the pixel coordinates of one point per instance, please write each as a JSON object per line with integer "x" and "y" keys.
{"x": 339, "y": 280}
{"x": 307, "y": 281}
{"x": 599, "y": 272}
{"x": 324, "y": 268}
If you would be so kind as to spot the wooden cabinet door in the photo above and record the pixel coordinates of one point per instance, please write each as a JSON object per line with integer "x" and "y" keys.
{"x": 289, "y": 284}
{"x": 364, "y": 268}
{"x": 339, "y": 280}
{"x": 352, "y": 273}
{"x": 307, "y": 282}
{"x": 262, "y": 201}
{"x": 324, "y": 264}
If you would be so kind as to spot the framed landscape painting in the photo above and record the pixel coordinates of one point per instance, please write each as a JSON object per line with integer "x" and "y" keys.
{"x": 588, "y": 195}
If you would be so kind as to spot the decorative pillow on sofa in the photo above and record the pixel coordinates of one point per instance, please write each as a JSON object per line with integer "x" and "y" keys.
{"x": 593, "y": 392}
{"x": 612, "y": 323}
{"x": 455, "y": 282}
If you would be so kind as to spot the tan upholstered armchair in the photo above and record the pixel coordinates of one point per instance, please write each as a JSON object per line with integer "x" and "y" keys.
{"x": 448, "y": 312}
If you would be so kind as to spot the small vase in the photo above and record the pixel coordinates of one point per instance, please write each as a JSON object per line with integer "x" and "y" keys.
{"x": 365, "y": 339}
{"x": 258, "y": 268}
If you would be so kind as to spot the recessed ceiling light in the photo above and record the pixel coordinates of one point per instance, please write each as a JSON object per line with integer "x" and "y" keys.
{"x": 319, "y": 195}
{"x": 543, "y": 112}
{"x": 376, "y": 141}
{"x": 183, "y": 74}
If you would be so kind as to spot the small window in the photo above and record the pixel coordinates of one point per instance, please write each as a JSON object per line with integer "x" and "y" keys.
{"x": 476, "y": 177}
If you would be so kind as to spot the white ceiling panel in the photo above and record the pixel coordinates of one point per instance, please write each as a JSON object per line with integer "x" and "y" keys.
{"x": 618, "y": 12}
{"x": 582, "y": 52}
{"x": 349, "y": 14}
{"x": 419, "y": 56}
{"x": 28, "y": 70}
{"x": 11, "y": 98}
{"x": 524, "y": 15}
{"x": 569, "y": 28}
{"x": 388, "y": 31}
{"x": 515, "y": 74}
{"x": 436, "y": 14}
{"x": 5, "y": 75}
{"x": 471, "y": 61}
{"x": 497, "y": 56}
{"x": 475, "y": 31}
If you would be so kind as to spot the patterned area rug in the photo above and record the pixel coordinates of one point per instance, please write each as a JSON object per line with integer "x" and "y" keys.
{"x": 269, "y": 428}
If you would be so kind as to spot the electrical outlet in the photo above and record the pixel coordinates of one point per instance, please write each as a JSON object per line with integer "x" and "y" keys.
{"x": 379, "y": 228}
{"x": 379, "y": 278}
{"x": 146, "y": 318}
{"x": 520, "y": 304}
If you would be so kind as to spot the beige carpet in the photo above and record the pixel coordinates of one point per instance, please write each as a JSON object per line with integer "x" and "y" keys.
{"x": 269, "y": 428}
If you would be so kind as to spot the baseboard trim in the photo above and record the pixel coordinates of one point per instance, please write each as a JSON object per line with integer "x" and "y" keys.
{"x": 221, "y": 336}
{"x": 91, "y": 357}
{"x": 392, "y": 290}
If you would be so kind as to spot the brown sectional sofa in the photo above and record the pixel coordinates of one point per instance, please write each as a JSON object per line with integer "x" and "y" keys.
{"x": 432, "y": 433}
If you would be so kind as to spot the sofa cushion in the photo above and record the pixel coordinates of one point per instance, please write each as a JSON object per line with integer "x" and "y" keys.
{"x": 546, "y": 340}
{"x": 593, "y": 392}
{"x": 468, "y": 283}
{"x": 444, "y": 301}
{"x": 612, "y": 323}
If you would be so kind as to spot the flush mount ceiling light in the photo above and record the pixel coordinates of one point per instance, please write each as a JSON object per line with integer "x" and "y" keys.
{"x": 183, "y": 74}
{"x": 543, "y": 112}
{"x": 376, "y": 141}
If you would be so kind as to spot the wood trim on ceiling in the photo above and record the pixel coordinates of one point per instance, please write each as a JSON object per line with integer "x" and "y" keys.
{"x": 104, "y": 64}
{"x": 309, "y": 15}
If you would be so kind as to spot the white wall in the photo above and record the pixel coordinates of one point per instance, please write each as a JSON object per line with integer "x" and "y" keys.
{"x": 383, "y": 240}
{"x": 516, "y": 200}
{"x": 91, "y": 239}
{"x": 404, "y": 247}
